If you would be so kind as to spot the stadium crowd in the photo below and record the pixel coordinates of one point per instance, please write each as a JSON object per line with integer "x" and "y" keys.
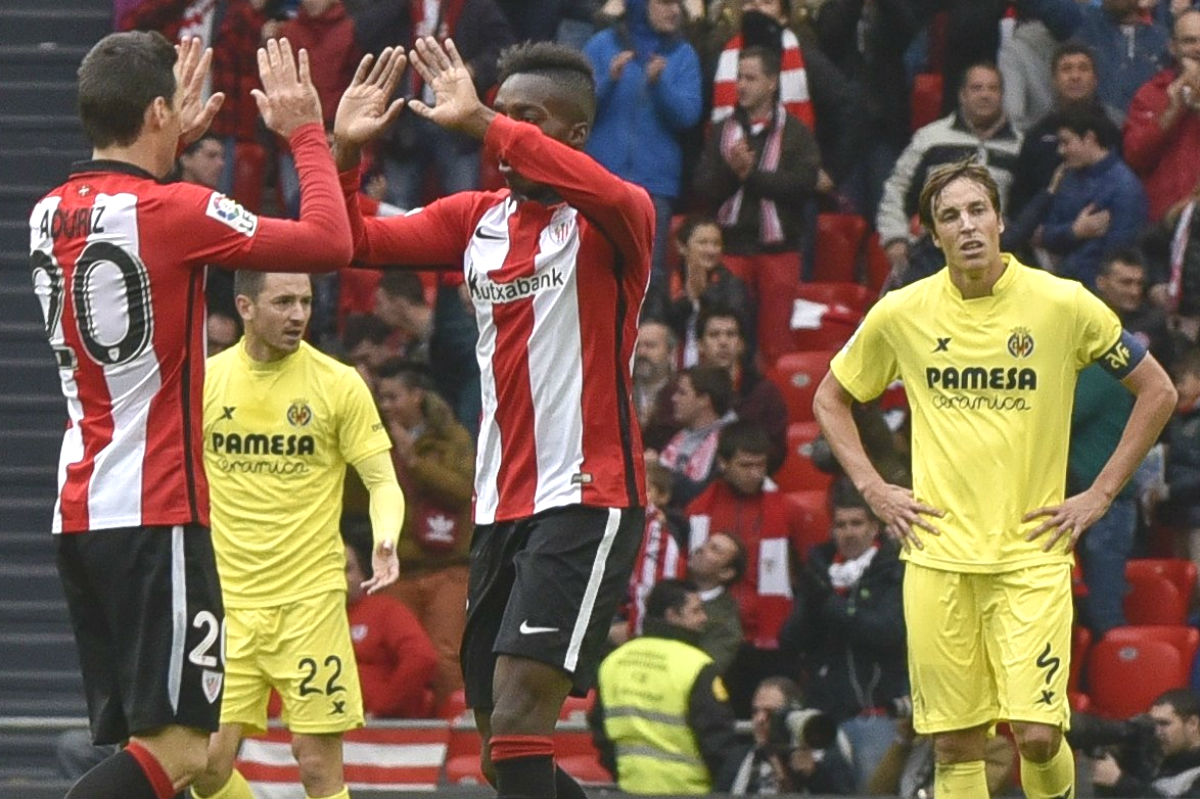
{"x": 761, "y": 129}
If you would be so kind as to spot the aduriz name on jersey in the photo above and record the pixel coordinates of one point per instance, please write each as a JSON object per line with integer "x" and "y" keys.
{"x": 259, "y": 444}
{"x": 977, "y": 377}
{"x": 71, "y": 224}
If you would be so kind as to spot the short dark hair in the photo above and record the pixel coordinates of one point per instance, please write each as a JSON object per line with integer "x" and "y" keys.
{"x": 1068, "y": 49}
{"x": 1084, "y": 119}
{"x": 715, "y": 383}
{"x": 198, "y": 143}
{"x": 356, "y": 535}
{"x": 409, "y": 373}
{"x": 786, "y": 686}
{"x": 248, "y": 283}
{"x": 667, "y": 595}
{"x": 983, "y": 63}
{"x": 362, "y": 327}
{"x": 1181, "y": 700}
{"x": 844, "y": 496}
{"x": 770, "y": 59}
{"x": 567, "y": 67}
{"x": 942, "y": 176}
{"x": 1124, "y": 255}
{"x": 742, "y": 436}
{"x": 403, "y": 284}
{"x": 711, "y": 312}
{"x": 118, "y": 80}
{"x": 693, "y": 221}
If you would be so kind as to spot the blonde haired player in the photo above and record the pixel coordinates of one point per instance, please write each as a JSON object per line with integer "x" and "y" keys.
{"x": 281, "y": 422}
{"x": 988, "y": 350}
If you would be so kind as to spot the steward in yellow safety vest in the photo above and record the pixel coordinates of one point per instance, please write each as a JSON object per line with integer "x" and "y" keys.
{"x": 662, "y": 720}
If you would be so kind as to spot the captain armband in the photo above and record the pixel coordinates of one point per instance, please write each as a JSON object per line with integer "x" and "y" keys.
{"x": 1121, "y": 358}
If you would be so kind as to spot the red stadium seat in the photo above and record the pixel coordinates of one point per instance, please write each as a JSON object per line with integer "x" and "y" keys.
{"x": 575, "y": 708}
{"x": 462, "y": 755}
{"x": 839, "y": 241}
{"x": 1081, "y": 639}
{"x": 453, "y": 706}
{"x": 855, "y": 296}
{"x": 797, "y": 375}
{"x": 798, "y": 472}
{"x": 815, "y": 521}
{"x": 926, "y": 100}
{"x": 835, "y": 330}
{"x": 1160, "y": 590}
{"x": 1127, "y": 673}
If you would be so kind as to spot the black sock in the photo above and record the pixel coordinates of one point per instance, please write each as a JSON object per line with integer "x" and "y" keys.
{"x": 566, "y": 786}
{"x": 118, "y": 777}
{"x": 526, "y": 777}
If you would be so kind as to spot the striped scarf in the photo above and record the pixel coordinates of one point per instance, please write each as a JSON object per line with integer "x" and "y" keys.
{"x": 793, "y": 81}
{"x": 770, "y": 228}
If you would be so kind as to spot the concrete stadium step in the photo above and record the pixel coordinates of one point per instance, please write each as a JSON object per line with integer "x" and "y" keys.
{"x": 42, "y": 692}
{"x": 32, "y": 448}
{"x": 60, "y": 131}
{"x": 29, "y": 760}
{"x": 48, "y": 650}
{"x": 40, "y": 61}
{"x": 34, "y": 615}
{"x": 33, "y": 96}
{"x": 25, "y": 510}
{"x": 30, "y": 580}
{"x": 32, "y": 412}
{"x": 58, "y": 24}
{"x": 19, "y": 783}
{"x": 27, "y": 546}
{"x": 35, "y": 166}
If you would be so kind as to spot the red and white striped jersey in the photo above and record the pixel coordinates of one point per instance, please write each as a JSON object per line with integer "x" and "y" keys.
{"x": 658, "y": 559}
{"x": 118, "y": 266}
{"x": 557, "y": 290}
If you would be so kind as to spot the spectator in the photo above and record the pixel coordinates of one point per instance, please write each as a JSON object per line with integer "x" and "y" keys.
{"x": 648, "y": 96}
{"x": 1182, "y": 490}
{"x": 1027, "y": 73}
{"x": 1102, "y": 406}
{"x": 1162, "y": 131}
{"x": 714, "y": 568}
{"x": 1121, "y": 284}
{"x": 220, "y": 333}
{"x": 658, "y": 558}
{"x": 416, "y": 149}
{"x": 653, "y": 369}
{"x": 1176, "y": 716}
{"x": 400, "y": 303}
{"x": 396, "y": 660}
{"x": 739, "y": 503}
{"x": 434, "y": 457}
{"x": 706, "y": 284}
{"x": 978, "y": 128}
{"x": 702, "y": 401}
{"x": 847, "y": 624}
{"x": 1099, "y": 204}
{"x": 203, "y": 161}
{"x": 759, "y": 168}
{"x": 784, "y": 758}
{"x": 662, "y": 721}
{"x": 906, "y": 768}
{"x": 1074, "y": 84}
{"x": 366, "y": 341}
{"x": 755, "y": 399}
{"x": 1173, "y": 249}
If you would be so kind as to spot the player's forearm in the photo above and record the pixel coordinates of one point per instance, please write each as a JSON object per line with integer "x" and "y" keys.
{"x": 831, "y": 406}
{"x": 387, "y": 500}
{"x": 1156, "y": 398}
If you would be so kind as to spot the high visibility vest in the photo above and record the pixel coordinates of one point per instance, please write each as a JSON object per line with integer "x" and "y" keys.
{"x": 645, "y": 686}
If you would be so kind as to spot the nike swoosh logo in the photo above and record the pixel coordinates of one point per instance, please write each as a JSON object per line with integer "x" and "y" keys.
{"x": 525, "y": 629}
{"x": 481, "y": 234}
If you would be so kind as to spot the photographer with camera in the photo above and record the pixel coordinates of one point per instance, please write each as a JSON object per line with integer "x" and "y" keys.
{"x": 1137, "y": 770}
{"x": 847, "y": 628}
{"x": 662, "y": 721}
{"x": 796, "y": 749}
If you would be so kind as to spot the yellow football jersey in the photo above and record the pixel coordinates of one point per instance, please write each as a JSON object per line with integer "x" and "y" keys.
{"x": 991, "y": 383}
{"x": 277, "y": 438}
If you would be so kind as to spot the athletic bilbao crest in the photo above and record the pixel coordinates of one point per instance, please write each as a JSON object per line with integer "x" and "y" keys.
{"x": 1020, "y": 343}
{"x": 211, "y": 682}
{"x": 299, "y": 414}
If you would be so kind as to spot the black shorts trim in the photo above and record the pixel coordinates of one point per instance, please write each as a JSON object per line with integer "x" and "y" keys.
{"x": 547, "y": 588}
{"x": 145, "y": 606}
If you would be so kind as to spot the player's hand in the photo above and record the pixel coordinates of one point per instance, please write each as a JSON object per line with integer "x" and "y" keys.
{"x": 364, "y": 111}
{"x": 288, "y": 98}
{"x": 1105, "y": 771}
{"x": 1071, "y": 518}
{"x": 456, "y": 104}
{"x": 192, "y": 64}
{"x": 385, "y": 567}
{"x": 901, "y": 513}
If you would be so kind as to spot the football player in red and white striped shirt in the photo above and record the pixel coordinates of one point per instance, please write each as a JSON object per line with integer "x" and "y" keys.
{"x": 557, "y": 266}
{"x": 118, "y": 265}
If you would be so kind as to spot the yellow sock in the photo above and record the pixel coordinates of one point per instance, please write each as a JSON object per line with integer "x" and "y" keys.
{"x": 235, "y": 788}
{"x": 960, "y": 780}
{"x": 344, "y": 793}
{"x": 1054, "y": 779}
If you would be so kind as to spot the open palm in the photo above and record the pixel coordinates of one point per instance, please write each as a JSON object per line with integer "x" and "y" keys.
{"x": 364, "y": 111}
{"x": 192, "y": 64}
{"x": 456, "y": 102}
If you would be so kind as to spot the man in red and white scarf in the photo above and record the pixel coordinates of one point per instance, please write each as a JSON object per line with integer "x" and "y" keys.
{"x": 793, "y": 76}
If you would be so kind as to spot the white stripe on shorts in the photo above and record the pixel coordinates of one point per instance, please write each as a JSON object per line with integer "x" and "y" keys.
{"x": 593, "y": 587}
{"x": 178, "y": 616}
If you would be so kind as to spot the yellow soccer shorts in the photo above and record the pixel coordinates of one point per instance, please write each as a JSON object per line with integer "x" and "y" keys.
{"x": 303, "y": 651}
{"x": 988, "y": 647}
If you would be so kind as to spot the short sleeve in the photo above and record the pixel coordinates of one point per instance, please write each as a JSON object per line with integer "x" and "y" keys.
{"x": 360, "y": 431}
{"x": 1100, "y": 336}
{"x": 867, "y": 363}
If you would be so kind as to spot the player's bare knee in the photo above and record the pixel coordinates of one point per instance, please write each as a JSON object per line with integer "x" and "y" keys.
{"x": 1037, "y": 742}
{"x": 959, "y": 746}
